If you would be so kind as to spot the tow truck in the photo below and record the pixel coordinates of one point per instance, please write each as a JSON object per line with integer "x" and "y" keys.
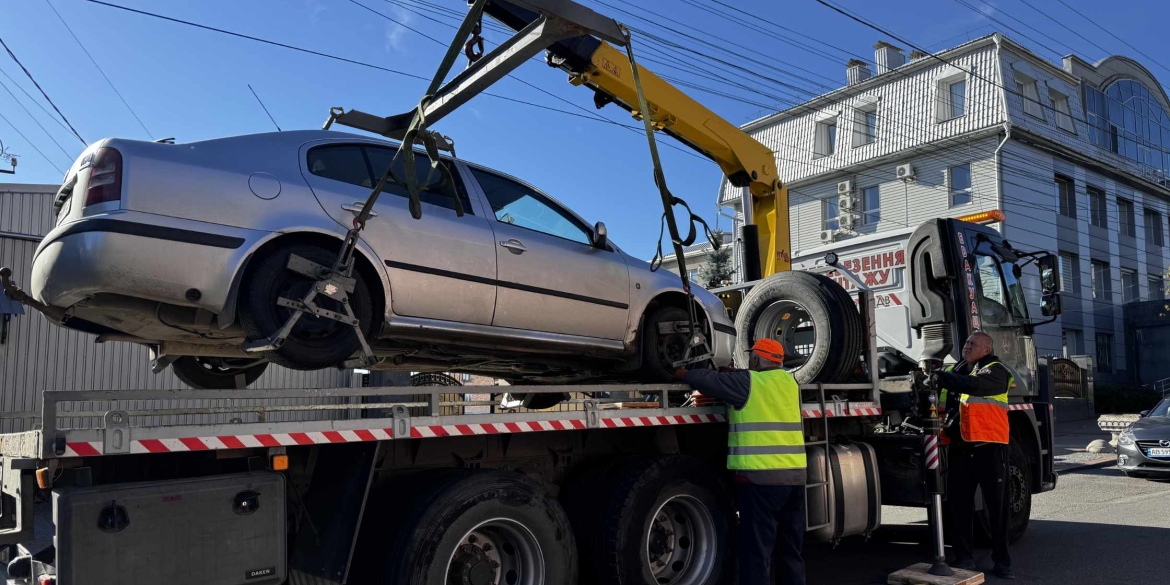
{"x": 615, "y": 484}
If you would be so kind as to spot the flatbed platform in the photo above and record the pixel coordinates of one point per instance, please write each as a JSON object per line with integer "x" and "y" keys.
{"x": 95, "y": 423}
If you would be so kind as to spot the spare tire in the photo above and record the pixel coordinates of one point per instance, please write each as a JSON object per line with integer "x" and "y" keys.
{"x": 812, "y": 316}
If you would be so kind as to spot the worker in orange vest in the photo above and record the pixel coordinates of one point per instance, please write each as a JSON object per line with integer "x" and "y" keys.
{"x": 975, "y": 392}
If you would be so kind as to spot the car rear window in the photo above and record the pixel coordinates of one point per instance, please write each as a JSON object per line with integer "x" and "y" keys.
{"x": 365, "y": 165}
{"x": 434, "y": 191}
{"x": 341, "y": 163}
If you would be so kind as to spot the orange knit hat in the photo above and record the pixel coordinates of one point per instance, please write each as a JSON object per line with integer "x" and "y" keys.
{"x": 769, "y": 349}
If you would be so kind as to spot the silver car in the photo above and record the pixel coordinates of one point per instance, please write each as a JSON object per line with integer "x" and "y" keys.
{"x": 184, "y": 248}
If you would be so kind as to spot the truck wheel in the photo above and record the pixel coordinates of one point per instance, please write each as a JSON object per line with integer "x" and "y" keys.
{"x": 484, "y": 527}
{"x": 315, "y": 342}
{"x": 659, "y": 349}
{"x": 812, "y": 316}
{"x": 658, "y": 520}
{"x": 1019, "y": 501}
{"x": 210, "y": 373}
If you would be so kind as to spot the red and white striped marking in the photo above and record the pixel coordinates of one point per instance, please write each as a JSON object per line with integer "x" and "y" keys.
{"x": 856, "y": 409}
{"x": 931, "y": 451}
{"x": 1020, "y": 407}
{"x": 654, "y": 421}
{"x": 494, "y": 428}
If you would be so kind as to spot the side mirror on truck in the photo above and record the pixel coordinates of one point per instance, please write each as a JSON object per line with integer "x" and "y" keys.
{"x": 1050, "y": 285}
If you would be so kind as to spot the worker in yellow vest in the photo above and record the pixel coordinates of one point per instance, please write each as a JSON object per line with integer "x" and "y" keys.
{"x": 975, "y": 392}
{"x": 765, "y": 448}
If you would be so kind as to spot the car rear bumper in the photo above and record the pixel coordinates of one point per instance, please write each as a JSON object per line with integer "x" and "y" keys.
{"x": 1131, "y": 458}
{"x": 142, "y": 256}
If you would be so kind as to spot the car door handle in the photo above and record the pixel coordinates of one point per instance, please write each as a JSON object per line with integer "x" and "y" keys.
{"x": 356, "y": 208}
{"x": 514, "y": 244}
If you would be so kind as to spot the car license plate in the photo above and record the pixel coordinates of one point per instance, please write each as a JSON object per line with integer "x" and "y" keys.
{"x": 1159, "y": 452}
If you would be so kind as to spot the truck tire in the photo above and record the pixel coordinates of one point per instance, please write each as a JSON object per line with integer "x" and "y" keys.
{"x": 655, "y": 520}
{"x": 202, "y": 373}
{"x": 784, "y": 306}
{"x": 482, "y": 526}
{"x": 1019, "y": 501}
{"x": 315, "y": 342}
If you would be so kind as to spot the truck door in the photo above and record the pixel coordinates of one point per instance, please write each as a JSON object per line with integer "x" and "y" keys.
{"x": 440, "y": 266}
{"x": 995, "y": 302}
{"x": 551, "y": 277}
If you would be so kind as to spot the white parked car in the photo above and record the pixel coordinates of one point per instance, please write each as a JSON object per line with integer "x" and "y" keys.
{"x": 184, "y": 247}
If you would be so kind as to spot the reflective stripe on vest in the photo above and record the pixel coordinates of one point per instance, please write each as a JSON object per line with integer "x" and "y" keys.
{"x": 768, "y": 432}
{"x": 983, "y": 419}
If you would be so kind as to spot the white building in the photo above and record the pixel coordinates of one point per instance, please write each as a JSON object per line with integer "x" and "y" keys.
{"x": 1076, "y": 156}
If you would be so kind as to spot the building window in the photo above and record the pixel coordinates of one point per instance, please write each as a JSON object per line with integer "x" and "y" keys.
{"x": 1026, "y": 87}
{"x": 872, "y": 206}
{"x": 1104, "y": 352}
{"x": 1127, "y": 118}
{"x": 1064, "y": 119}
{"x": 864, "y": 126}
{"x": 1070, "y": 340}
{"x": 1066, "y": 192}
{"x": 826, "y": 139}
{"x": 1157, "y": 287}
{"x": 1070, "y": 273}
{"x": 693, "y": 274}
{"x": 1097, "y": 215}
{"x": 952, "y": 99}
{"x": 830, "y": 214}
{"x": 960, "y": 181}
{"x": 1129, "y": 286}
{"x": 1125, "y": 217}
{"x": 1102, "y": 286}
{"x": 1153, "y": 227}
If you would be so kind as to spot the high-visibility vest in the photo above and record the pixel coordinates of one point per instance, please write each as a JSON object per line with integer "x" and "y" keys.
{"x": 982, "y": 419}
{"x": 767, "y": 434}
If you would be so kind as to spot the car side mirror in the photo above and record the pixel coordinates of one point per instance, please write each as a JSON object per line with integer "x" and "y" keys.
{"x": 1049, "y": 275}
{"x": 600, "y": 236}
{"x": 1050, "y": 305}
{"x": 1144, "y": 413}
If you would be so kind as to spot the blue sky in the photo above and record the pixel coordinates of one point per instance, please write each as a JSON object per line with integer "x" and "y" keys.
{"x": 192, "y": 84}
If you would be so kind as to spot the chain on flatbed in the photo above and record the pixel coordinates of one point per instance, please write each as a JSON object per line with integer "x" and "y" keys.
{"x": 93, "y": 423}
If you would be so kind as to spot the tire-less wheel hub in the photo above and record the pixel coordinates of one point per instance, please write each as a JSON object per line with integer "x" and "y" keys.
{"x": 680, "y": 545}
{"x": 789, "y": 323}
{"x": 497, "y": 552}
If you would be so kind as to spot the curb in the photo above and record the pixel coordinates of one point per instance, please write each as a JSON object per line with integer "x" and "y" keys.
{"x": 1095, "y": 463}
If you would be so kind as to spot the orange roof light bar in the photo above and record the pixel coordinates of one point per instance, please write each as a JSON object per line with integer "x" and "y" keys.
{"x": 984, "y": 217}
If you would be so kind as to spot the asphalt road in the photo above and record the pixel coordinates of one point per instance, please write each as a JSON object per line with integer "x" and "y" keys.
{"x": 1098, "y": 526}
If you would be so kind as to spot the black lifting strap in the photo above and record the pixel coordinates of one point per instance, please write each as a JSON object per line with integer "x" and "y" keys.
{"x": 692, "y": 233}
{"x": 418, "y": 131}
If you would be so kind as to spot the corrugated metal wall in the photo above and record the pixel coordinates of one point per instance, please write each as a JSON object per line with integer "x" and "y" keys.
{"x": 39, "y": 356}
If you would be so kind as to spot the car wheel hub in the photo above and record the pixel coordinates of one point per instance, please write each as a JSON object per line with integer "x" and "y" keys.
{"x": 789, "y": 323}
{"x": 1018, "y": 488}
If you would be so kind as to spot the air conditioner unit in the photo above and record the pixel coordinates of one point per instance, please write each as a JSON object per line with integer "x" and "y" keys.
{"x": 828, "y": 236}
{"x": 846, "y": 221}
{"x": 905, "y": 171}
{"x": 846, "y": 203}
{"x": 844, "y": 187}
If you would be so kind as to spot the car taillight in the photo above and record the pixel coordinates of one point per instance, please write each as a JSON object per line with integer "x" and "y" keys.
{"x": 105, "y": 177}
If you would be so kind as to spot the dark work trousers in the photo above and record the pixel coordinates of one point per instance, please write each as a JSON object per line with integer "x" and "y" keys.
{"x": 985, "y": 466}
{"x": 771, "y": 522}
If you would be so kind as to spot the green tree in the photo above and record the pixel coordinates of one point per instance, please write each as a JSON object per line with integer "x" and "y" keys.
{"x": 718, "y": 270}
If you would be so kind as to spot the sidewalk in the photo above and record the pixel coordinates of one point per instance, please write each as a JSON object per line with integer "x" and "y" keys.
{"x": 1068, "y": 449}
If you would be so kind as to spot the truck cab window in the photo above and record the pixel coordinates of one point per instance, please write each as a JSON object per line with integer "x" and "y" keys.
{"x": 993, "y": 298}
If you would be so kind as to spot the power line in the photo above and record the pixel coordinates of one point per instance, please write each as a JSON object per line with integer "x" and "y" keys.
{"x": 99, "y": 68}
{"x": 339, "y": 58}
{"x": 34, "y": 100}
{"x": 261, "y": 102}
{"x": 1106, "y": 31}
{"x": 37, "y": 122}
{"x": 47, "y": 98}
{"x": 30, "y": 143}
{"x": 1009, "y": 27}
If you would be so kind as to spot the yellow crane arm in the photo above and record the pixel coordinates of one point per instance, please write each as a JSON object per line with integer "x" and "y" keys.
{"x": 743, "y": 159}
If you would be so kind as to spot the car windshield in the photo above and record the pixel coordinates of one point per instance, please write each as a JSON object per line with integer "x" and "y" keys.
{"x": 1162, "y": 409}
